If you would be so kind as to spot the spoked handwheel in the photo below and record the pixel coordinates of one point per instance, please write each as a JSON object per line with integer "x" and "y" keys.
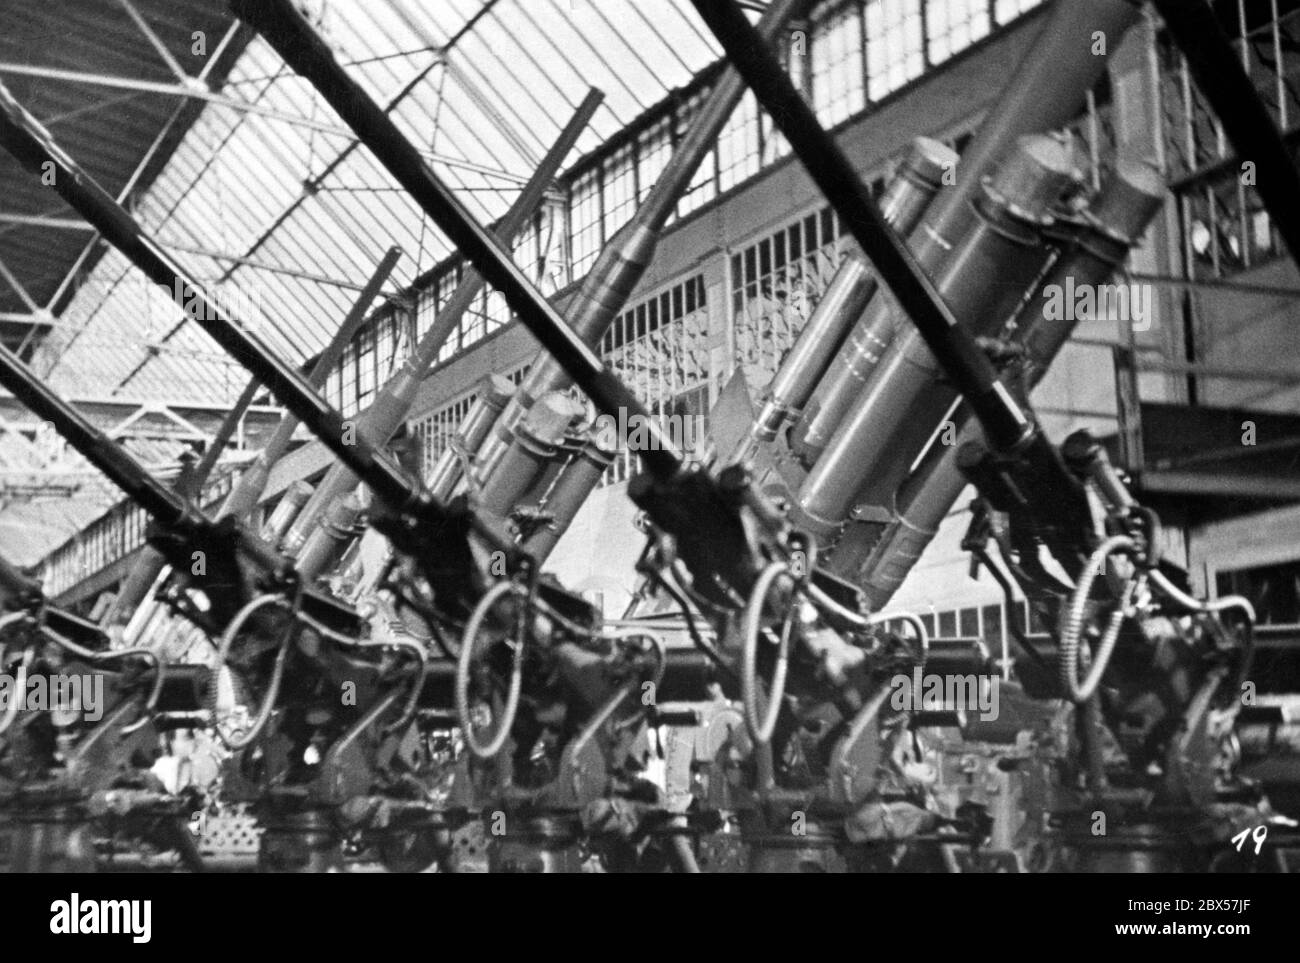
{"x": 473, "y": 657}
{"x": 762, "y": 725}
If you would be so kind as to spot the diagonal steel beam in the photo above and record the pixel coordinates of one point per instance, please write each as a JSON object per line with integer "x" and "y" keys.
{"x": 156, "y": 41}
{"x": 259, "y": 264}
{"x": 301, "y": 48}
{"x": 199, "y": 91}
{"x": 17, "y": 285}
{"x": 51, "y": 223}
{"x": 73, "y": 272}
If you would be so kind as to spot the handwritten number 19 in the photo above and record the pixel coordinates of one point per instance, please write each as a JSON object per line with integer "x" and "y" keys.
{"x": 1259, "y": 834}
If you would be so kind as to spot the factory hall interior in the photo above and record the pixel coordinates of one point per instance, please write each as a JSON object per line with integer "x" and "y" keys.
{"x": 649, "y": 436}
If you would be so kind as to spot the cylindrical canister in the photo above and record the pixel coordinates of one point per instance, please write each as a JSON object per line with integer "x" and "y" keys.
{"x": 856, "y": 353}
{"x": 282, "y": 516}
{"x": 987, "y": 273}
{"x": 1113, "y": 223}
{"x": 491, "y": 396}
{"x": 579, "y": 478}
{"x": 535, "y": 441}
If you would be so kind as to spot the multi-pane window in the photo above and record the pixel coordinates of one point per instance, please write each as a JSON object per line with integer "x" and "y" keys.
{"x": 738, "y": 145}
{"x": 895, "y": 45}
{"x": 986, "y": 623}
{"x": 585, "y": 221}
{"x": 704, "y": 185}
{"x": 953, "y": 25}
{"x": 334, "y": 388}
{"x": 446, "y": 286}
{"x": 348, "y": 380}
{"x": 527, "y": 254}
{"x": 392, "y": 343}
{"x": 366, "y": 363}
{"x": 488, "y": 312}
{"x": 620, "y": 188}
{"x": 775, "y": 284}
{"x": 1008, "y": 10}
{"x": 837, "y": 71}
{"x": 653, "y": 154}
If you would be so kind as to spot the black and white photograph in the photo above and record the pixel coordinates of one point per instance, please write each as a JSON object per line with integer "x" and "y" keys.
{"x": 649, "y": 437}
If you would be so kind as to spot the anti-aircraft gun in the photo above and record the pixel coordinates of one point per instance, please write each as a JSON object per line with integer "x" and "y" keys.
{"x": 1142, "y": 735}
{"x": 81, "y": 751}
{"x": 447, "y": 601}
{"x": 60, "y": 680}
{"x": 296, "y": 644}
{"x": 813, "y": 749}
{"x": 723, "y": 533}
{"x": 558, "y": 684}
{"x": 137, "y": 609}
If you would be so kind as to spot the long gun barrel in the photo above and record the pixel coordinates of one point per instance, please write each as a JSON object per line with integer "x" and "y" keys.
{"x": 494, "y": 392}
{"x": 168, "y": 508}
{"x": 302, "y": 49}
{"x": 23, "y": 137}
{"x": 625, "y": 258}
{"x": 252, "y": 483}
{"x": 246, "y": 492}
{"x": 322, "y": 545}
